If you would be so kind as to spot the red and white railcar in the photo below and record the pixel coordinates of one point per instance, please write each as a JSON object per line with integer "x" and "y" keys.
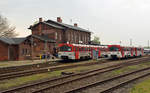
{"x": 74, "y": 51}
{"x": 117, "y": 51}
{"x": 139, "y": 51}
{"x": 80, "y": 51}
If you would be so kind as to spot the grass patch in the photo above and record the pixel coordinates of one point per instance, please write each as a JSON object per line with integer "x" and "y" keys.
{"x": 22, "y": 80}
{"x": 26, "y": 79}
{"x": 125, "y": 69}
{"x": 143, "y": 87}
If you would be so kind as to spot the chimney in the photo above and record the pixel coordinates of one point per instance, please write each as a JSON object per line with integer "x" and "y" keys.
{"x": 40, "y": 19}
{"x": 59, "y": 19}
{"x": 75, "y": 24}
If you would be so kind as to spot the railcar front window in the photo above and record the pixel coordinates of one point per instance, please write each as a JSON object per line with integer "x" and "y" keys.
{"x": 113, "y": 49}
{"x": 65, "y": 48}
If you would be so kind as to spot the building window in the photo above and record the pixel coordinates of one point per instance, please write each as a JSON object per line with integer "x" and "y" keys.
{"x": 55, "y": 35}
{"x": 85, "y": 39}
{"x": 68, "y": 36}
{"x": 79, "y": 38}
{"x": 60, "y": 36}
{"x": 26, "y": 51}
{"x": 75, "y": 38}
{"x": 22, "y": 51}
{"x": 72, "y": 37}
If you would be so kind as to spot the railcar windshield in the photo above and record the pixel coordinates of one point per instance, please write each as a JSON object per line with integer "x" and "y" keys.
{"x": 65, "y": 48}
{"x": 113, "y": 48}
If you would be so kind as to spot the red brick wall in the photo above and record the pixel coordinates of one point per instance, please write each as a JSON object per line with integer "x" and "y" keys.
{"x": 24, "y": 50}
{"x": 72, "y": 36}
{"x": 75, "y": 36}
{"x": 3, "y": 51}
{"x": 38, "y": 49}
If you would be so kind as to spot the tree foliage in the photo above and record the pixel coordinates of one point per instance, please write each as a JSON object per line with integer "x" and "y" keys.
{"x": 96, "y": 40}
{"x": 5, "y": 29}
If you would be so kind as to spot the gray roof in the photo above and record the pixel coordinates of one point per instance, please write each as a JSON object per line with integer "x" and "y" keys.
{"x": 56, "y": 26}
{"x": 61, "y": 25}
{"x": 12, "y": 40}
{"x": 66, "y": 25}
{"x": 44, "y": 38}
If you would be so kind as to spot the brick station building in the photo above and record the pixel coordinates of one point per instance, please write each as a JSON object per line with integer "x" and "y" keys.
{"x": 45, "y": 37}
{"x": 24, "y": 48}
{"x": 61, "y": 32}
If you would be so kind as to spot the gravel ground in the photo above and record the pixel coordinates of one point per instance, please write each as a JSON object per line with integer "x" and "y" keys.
{"x": 82, "y": 82}
{"x": 127, "y": 88}
{"x": 102, "y": 76}
{"x": 50, "y": 83}
{"x": 94, "y": 67}
{"x": 20, "y": 63}
{"x": 103, "y": 86}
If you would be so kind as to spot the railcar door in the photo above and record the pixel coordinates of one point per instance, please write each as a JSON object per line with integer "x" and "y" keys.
{"x": 122, "y": 51}
{"x": 76, "y": 53}
{"x": 99, "y": 52}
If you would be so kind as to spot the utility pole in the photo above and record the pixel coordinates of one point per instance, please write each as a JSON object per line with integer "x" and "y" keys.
{"x": 130, "y": 42}
{"x": 70, "y": 21}
{"x": 120, "y": 42}
{"x": 148, "y": 43}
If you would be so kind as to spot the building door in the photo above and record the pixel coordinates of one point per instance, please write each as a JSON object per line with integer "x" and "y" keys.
{"x": 11, "y": 54}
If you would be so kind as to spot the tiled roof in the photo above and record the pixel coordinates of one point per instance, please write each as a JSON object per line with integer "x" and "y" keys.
{"x": 12, "y": 40}
{"x": 56, "y": 26}
{"x": 66, "y": 25}
{"x": 16, "y": 41}
{"x": 61, "y": 25}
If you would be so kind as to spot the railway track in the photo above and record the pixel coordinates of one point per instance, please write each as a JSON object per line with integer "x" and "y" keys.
{"x": 4, "y": 70}
{"x": 44, "y": 70}
{"x": 111, "y": 84}
{"x": 15, "y": 69}
{"x": 54, "y": 85}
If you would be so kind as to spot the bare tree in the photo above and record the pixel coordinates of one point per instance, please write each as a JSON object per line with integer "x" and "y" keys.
{"x": 5, "y": 29}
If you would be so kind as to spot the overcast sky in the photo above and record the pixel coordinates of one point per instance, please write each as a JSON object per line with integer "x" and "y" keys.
{"x": 111, "y": 20}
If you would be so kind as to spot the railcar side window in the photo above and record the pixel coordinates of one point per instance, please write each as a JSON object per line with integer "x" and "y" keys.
{"x": 80, "y": 49}
{"x": 65, "y": 48}
{"x": 113, "y": 49}
{"x": 76, "y": 49}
